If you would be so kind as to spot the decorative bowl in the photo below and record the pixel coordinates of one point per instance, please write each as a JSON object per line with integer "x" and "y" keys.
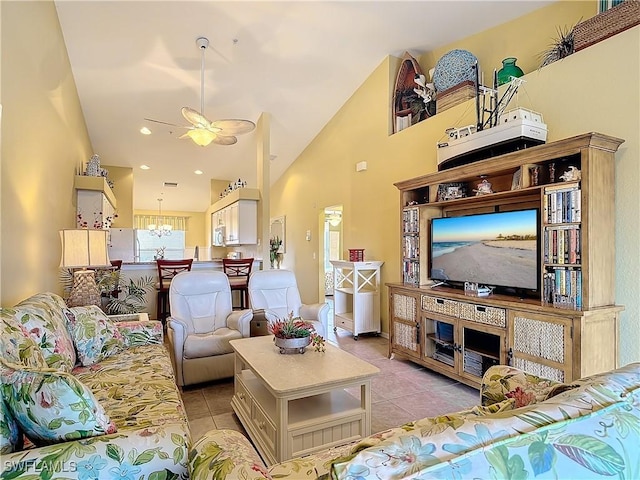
{"x": 292, "y": 345}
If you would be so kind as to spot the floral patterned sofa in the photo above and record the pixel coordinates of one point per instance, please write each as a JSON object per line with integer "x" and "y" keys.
{"x": 87, "y": 397}
{"x": 526, "y": 427}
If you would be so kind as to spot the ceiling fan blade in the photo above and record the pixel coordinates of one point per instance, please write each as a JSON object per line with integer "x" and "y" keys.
{"x": 233, "y": 126}
{"x": 225, "y": 140}
{"x": 166, "y": 123}
{"x": 195, "y": 118}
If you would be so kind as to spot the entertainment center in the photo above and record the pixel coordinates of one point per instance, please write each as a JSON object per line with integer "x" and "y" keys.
{"x": 552, "y": 312}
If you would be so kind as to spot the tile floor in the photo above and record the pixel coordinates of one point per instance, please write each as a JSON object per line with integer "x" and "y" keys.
{"x": 403, "y": 391}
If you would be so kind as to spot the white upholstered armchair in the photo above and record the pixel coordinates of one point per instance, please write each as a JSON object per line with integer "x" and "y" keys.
{"x": 276, "y": 292}
{"x": 201, "y": 324}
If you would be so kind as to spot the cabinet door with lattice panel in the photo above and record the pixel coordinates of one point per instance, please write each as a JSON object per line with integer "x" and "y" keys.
{"x": 404, "y": 325}
{"x": 541, "y": 344}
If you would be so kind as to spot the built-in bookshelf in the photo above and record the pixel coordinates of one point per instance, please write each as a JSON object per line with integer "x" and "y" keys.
{"x": 411, "y": 245}
{"x": 562, "y": 245}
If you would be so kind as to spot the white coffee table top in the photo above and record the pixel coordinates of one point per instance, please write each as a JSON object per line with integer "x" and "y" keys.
{"x": 297, "y": 372}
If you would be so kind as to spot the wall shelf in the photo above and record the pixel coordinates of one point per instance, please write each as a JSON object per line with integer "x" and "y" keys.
{"x": 96, "y": 184}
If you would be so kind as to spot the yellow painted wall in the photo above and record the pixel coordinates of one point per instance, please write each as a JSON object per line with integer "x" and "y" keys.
{"x": 575, "y": 95}
{"x": 45, "y": 143}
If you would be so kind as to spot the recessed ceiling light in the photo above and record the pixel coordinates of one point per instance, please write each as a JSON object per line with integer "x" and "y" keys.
{"x": 198, "y": 172}
{"x": 145, "y": 167}
{"x": 145, "y": 131}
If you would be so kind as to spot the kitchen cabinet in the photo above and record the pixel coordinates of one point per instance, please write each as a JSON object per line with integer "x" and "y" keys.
{"x": 238, "y": 214}
{"x": 95, "y": 202}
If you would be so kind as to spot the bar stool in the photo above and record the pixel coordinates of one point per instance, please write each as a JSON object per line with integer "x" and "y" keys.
{"x": 167, "y": 269}
{"x": 238, "y": 271}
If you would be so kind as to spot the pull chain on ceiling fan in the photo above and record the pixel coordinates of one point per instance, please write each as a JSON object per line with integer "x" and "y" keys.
{"x": 202, "y": 131}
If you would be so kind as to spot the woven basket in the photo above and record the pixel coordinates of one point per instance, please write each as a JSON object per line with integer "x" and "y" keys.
{"x": 606, "y": 24}
{"x": 483, "y": 314}
{"x": 440, "y": 305}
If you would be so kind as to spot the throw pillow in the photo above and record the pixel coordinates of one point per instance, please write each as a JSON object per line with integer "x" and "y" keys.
{"x": 52, "y": 406}
{"x": 10, "y": 436}
{"x": 95, "y": 336}
{"x": 15, "y": 343}
{"x": 50, "y": 334}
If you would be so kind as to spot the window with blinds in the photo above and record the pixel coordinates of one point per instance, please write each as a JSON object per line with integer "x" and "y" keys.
{"x": 142, "y": 222}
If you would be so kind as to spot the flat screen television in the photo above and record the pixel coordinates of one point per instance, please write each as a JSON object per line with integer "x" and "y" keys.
{"x": 498, "y": 249}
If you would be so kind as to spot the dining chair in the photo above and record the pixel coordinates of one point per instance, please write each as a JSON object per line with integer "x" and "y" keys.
{"x": 167, "y": 269}
{"x": 238, "y": 271}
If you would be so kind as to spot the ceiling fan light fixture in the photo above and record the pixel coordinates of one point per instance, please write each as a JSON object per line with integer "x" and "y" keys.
{"x": 203, "y": 131}
{"x": 200, "y": 136}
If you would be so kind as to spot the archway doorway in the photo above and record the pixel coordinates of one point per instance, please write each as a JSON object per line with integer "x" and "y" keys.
{"x": 331, "y": 244}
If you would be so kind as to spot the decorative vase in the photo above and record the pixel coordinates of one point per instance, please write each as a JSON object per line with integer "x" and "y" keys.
{"x": 279, "y": 258}
{"x": 292, "y": 345}
{"x": 272, "y": 259}
{"x": 509, "y": 69}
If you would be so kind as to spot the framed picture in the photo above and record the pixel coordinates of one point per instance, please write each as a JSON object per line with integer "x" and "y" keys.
{"x": 451, "y": 191}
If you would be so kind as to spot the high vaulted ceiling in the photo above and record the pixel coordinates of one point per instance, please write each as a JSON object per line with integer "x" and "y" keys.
{"x": 299, "y": 61}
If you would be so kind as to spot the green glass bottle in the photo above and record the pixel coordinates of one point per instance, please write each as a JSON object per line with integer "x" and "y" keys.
{"x": 509, "y": 69}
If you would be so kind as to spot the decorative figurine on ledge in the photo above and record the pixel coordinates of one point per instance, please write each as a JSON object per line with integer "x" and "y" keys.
{"x": 573, "y": 174}
{"x": 484, "y": 187}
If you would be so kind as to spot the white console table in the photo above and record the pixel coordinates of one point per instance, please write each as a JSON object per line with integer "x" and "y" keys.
{"x": 295, "y": 405}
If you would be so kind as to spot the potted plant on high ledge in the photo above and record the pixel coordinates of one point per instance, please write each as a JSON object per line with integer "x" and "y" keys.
{"x": 274, "y": 250}
{"x": 293, "y": 335}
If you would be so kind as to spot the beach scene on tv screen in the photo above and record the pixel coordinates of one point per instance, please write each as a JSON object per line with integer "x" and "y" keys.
{"x": 492, "y": 249}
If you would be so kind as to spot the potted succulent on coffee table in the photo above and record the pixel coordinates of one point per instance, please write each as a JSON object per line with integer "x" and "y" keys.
{"x": 293, "y": 335}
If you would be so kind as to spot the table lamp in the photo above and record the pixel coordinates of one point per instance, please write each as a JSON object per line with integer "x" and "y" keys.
{"x": 82, "y": 248}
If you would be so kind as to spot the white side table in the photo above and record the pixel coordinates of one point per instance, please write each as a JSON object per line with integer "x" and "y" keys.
{"x": 356, "y": 296}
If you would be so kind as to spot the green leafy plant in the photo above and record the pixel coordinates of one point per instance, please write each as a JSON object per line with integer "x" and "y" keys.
{"x": 560, "y": 47}
{"x": 274, "y": 245}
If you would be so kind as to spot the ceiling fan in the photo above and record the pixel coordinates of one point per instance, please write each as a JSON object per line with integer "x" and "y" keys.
{"x": 202, "y": 131}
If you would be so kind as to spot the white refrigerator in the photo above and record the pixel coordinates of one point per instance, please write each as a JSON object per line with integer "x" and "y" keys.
{"x": 123, "y": 244}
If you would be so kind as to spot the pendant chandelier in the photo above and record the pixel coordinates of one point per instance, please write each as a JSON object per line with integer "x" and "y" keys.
{"x": 157, "y": 228}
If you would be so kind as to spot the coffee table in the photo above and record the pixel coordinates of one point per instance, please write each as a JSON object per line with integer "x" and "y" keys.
{"x": 294, "y": 405}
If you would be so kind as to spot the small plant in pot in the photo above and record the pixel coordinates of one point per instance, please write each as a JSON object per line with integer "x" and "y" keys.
{"x": 293, "y": 335}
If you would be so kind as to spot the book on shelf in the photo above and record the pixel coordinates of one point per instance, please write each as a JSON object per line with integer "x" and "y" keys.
{"x": 561, "y": 186}
{"x": 562, "y": 205}
{"x": 411, "y": 273}
{"x": 562, "y": 287}
{"x": 561, "y": 244}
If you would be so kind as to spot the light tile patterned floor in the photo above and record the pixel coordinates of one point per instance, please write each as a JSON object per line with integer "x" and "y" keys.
{"x": 403, "y": 391}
